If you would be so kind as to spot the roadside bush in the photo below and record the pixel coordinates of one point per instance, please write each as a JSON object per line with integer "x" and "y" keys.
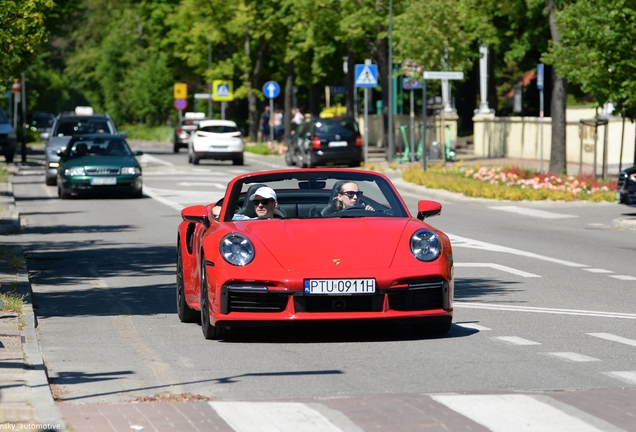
{"x": 511, "y": 183}
{"x": 148, "y": 133}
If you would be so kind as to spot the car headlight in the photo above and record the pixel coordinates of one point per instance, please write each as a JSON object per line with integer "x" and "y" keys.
{"x": 425, "y": 245}
{"x": 77, "y": 171}
{"x": 130, "y": 171}
{"x": 12, "y": 134}
{"x": 237, "y": 249}
{"x": 632, "y": 177}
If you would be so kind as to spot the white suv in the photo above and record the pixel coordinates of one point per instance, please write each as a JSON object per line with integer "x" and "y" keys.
{"x": 216, "y": 139}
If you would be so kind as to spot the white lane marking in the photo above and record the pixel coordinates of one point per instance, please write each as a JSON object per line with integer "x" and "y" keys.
{"x": 272, "y": 417}
{"x": 146, "y": 159}
{"x": 571, "y": 356}
{"x": 152, "y": 194}
{"x": 614, "y": 338}
{"x": 457, "y": 241}
{"x": 515, "y": 340}
{"x": 488, "y": 306}
{"x": 472, "y": 326}
{"x": 625, "y": 376}
{"x": 214, "y": 184}
{"x": 498, "y": 267}
{"x": 597, "y": 270}
{"x": 533, "y": 212}
{"x": 521, "y": 413}
{"x": 623, "y": 277}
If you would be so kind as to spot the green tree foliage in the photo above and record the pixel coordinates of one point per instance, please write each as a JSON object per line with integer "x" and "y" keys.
{"x": 597, "y": 50}
{"x": 22, "y": 32}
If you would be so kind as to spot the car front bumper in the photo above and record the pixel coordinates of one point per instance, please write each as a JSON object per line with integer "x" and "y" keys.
{"x": 82, "y": 184}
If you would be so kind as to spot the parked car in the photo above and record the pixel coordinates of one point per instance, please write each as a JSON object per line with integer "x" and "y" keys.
{"x": 66, "y": 125}
{"x": 626, "y": 187}
{"x": 334, "y": 140}
{"x": 294, "y": 267}
{"x": 8, "y": 138}
{"x": 186, "y": 126}
{"x": 98, "y": 163}
{"x": 216, "y": 139}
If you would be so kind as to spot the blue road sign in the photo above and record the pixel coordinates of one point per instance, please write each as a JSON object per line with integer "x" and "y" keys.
{"x": 540, "y": 76}
{"x": 180, "y": 104}
{"x": 411, "y": 84}
{"x": 271, "y": 89}
{"x": 334, "y": 90}
{"x": 366, "y": 75}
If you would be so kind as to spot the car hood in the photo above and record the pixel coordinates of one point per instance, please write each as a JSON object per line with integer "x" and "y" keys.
{"x": 56, "y": 143}
{"x": 357, "y": 243}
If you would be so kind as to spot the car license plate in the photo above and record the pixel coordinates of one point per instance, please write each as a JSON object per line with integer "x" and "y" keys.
{"x": 337, "y": 144}
{"x": 618, "y": 196}
{"x": 103, "y": 181}
{"x": 218, "y": 147}
{"x": 339, "y": 286}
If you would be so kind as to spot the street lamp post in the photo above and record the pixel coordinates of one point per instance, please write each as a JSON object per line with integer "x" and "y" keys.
{"x": 390, "y": 79}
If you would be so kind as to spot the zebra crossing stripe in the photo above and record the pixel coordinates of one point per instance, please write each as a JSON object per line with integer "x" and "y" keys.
{"x": 272, "y": 417}
{"x": 521, "y": 413}
{"x": 625, "y": 376}
{"x": 515, "y": 340}
{"x": 614, "y": 338}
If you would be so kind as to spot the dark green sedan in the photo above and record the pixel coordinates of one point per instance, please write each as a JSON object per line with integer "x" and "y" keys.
{"x": 99, "y": 163}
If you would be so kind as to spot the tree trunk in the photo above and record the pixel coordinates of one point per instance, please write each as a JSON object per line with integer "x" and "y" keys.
{"x": 558, "y": 159}
{"x": 252, "y": 102}
{"x": 289, "y": 94}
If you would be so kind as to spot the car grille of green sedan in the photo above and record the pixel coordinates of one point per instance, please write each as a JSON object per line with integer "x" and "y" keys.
{"x": 102, "y": 171}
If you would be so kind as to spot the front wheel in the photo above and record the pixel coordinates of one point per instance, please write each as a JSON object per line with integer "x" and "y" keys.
{"x": 210, "y": 331}
{"x": 238, "y": 160}
{"x": 9, "y": 157}
{"x": 186, "y": 313}
{"x": 62, "y": 193}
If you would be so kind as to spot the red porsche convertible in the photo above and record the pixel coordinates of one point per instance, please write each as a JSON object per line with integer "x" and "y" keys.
{"x": 312, "y": 245}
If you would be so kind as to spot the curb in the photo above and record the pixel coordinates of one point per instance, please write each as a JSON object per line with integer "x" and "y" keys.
{"x": 36, "y": 376}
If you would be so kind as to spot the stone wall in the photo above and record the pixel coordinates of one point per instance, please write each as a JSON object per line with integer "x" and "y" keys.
{"x": 524, "y": 138}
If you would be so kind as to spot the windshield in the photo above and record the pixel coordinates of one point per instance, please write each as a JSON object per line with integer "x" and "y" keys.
{"x": 76, "y": 126}
{"x": 336, "y": 125}
{"x": 317, "y": 195}
{"x": 218, "y": 129}
{"x": 91, "y": 146}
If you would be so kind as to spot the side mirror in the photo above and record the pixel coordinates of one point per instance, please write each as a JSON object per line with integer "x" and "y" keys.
{"x": 427, "y": 208}
{"x": 196, "y": 214}
{"x": 44, "y": 136}
{"x": 122, "y": 134}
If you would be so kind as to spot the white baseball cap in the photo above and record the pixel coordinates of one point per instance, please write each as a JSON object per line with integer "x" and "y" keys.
{"x": 265, "y": 192}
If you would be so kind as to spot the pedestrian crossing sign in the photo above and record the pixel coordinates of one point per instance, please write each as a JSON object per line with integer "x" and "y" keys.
{"x": 366, "y": 75}
{"x": 222, "y": 91}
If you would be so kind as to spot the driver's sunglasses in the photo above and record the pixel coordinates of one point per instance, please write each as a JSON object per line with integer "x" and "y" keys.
{"x": 265, "y": 202}
{"x": 352, "y": 194}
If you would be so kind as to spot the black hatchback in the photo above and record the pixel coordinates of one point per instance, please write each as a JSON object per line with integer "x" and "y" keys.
{"x": 626, "y": 187}
{"x": 325, "y": 141}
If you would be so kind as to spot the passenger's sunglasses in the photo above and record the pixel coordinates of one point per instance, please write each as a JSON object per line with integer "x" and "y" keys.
{"x": 265, "y": 202}
{"x": 352, "y": 194}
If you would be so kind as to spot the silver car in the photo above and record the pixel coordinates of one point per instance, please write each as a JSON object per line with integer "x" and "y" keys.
{"x": 66, "y": 126}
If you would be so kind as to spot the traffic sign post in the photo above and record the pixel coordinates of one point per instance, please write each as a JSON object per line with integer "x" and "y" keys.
{"x": 412, "y": 84}
{"x": 271, "y": 90}
{"x": 223, "y": 92}
{"x": 366, "y": 76}
{"x": 540, "y": 87}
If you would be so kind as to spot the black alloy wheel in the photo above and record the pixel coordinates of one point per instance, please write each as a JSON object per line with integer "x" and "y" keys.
{"x": 186, "y": 313}
{"x": 209, "y": 331}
